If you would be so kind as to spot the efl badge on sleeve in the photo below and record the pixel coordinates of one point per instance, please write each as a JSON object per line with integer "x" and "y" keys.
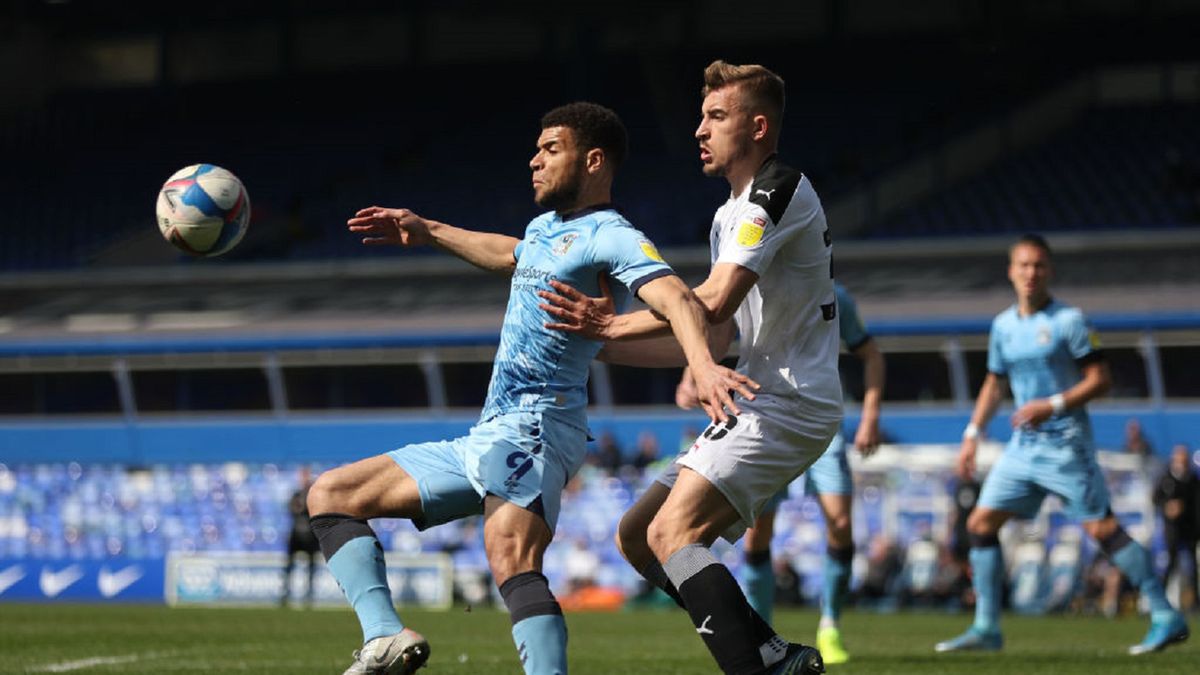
{"x": 650, "y": 251}
{"x": 749, "y": 233}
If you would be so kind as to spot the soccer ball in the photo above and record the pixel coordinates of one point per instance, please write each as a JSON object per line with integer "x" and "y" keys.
{"x": 203, "y": 210}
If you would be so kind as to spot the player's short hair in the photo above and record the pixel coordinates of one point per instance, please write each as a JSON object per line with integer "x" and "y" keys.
{"x": 595, "y": 127}
{"x": 1032, "y": 239}
{"x": 764, "y": 89}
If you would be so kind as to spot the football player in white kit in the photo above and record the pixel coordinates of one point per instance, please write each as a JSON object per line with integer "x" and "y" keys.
{"x": 771, "y": 255}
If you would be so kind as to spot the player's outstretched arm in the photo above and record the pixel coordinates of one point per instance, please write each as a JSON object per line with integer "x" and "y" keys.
{"x": 720, "y": 294}
{"x": 402, "y": 227}
{"x": 672, "y": 298}
{"x": 866, "y": 439}
{"x": 665, "y": 351}
{"x": 594, "y": 318}
{"x": 985, "y": 408}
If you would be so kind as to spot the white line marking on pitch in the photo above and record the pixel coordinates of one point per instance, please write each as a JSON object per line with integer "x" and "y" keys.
{"x": 67, "y": 666}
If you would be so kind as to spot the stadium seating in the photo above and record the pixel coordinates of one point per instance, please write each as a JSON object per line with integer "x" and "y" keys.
{"x": 1115, "y": 168}
{"x": 72, "y": 512}
{"x": 85, "y": 166}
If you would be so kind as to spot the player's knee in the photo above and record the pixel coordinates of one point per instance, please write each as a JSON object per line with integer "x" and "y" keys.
{"x": 664, "y": 537}
{"x": 320, "y": 495}
{"x": 980, "y": 525}
{"x": 839, "y": 529}
{"x": 331, "y": 494}
{"x": 631, "y": 538}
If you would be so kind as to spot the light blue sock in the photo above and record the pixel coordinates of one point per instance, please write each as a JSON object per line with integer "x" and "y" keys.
{"x": 833, "y": 586}
{"x": 1134, "y": 562}
{"x": 758, "y": 576}
{"x": 988, "y": 580}
{"x": 359, "y": 569}
{"x": 542, "y": 644}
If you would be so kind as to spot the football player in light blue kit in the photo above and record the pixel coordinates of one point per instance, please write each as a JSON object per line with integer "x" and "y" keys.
{"x": 530, "y": 438}
{"x": 1052, "y": 362}
{"x": 830, "y": 480}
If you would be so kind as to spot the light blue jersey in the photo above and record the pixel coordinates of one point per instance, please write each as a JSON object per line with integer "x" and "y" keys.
{"x": 1040, "y": 354}
{"x": 543, "y": 370}
{"x": 854, "y": 332}
{"x": 532, "y": 435}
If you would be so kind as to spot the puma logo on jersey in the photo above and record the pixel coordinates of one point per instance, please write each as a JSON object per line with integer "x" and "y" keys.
{"x": 704, "y": 629}
{"x": 767, "y": 193}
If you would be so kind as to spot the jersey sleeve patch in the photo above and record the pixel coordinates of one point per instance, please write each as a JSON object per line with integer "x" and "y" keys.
{"x": 650, "y": 250}
{"x": 750, "y": 232}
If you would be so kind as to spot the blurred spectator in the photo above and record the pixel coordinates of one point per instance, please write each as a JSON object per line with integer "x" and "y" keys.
{"x": 1135, "y": 440}
{"x": 966, "y": 494}
{"x": 1178, "y": 500}
{"x": 301, "y": 540}
{"x": 1105, "y": 589}
{"x": 608, "y": 453}
{"x": 583, "y": 593}
{"x": 581, "y": 565}
{"x": 884, "y": 562}
{"x": 647, "y": 451}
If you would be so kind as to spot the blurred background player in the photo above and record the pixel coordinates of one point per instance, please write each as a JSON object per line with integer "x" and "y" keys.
{"x": 830, "y": 480}
{"x": 771, "y": 256}
{"x": 531, "y": 436}
{"x": 301, "y": 539}
{"x": 1177, "y": 496}
{"x": 1052, "y": 361}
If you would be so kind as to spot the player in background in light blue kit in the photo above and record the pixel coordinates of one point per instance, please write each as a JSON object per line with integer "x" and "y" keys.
{"x": 1052, "y": 362}
{"x": 531, "y": 436}
{"x": 830, "y": 480}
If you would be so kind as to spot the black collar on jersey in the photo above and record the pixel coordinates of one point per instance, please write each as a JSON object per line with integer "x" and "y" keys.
{"x": 587, "y": 211}
{"x": 771, "y": 159}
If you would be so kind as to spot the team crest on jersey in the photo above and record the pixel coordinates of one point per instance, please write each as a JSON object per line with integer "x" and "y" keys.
{"x": 650, "y": 251}
{"x": 564, "y": 244}
{"x": 1043, "y": 336}
{"x": 750, "y": 232}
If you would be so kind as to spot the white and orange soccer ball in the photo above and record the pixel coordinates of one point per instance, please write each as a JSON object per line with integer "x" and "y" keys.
{"x": 203, "y": 210}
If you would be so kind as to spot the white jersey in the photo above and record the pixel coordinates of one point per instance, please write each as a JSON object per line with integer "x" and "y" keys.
{"x": 788, "y": 321}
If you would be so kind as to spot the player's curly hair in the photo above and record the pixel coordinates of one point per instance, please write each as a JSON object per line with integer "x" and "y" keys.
{"x": 763, "y": 88}
{"x": 595, "y": 127}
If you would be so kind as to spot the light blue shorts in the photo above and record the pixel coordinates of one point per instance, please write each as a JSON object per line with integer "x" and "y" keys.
{"x": 523, "y": 458}
{"x": 829, "y": 475}
{"x": 1024, "y": 475}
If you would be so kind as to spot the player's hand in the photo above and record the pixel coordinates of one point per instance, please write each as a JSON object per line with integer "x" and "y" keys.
{"x": 1032, "y": 414}
{"x": 713, "y": 386}
{"x": 866, "y": 439}
{"x": 399, "y": 227}
{"x": 686, "y": 394}
{"x": 577, "y": 313}
{"x": 965, "y": 467}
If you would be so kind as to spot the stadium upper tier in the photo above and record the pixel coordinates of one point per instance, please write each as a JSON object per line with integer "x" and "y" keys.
{"x": 1114, "y": 168}
{"x": 450, "y": 141}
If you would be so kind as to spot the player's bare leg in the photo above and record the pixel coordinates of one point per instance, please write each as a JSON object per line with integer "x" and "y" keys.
{"x": 1167, "y": 625}
{"x": 632, "y": 541}
{"x": 694, "y": 514}
{"x": 515, "y": 540}
{"x": 342, "y": 500}
{"x": 988, "y": 578}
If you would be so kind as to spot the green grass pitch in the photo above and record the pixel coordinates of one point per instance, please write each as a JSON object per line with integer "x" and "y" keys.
{"x": 149, "y": 639}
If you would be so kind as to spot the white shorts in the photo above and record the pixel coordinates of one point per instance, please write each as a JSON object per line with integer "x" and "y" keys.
{"x": 750, "y": 459}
